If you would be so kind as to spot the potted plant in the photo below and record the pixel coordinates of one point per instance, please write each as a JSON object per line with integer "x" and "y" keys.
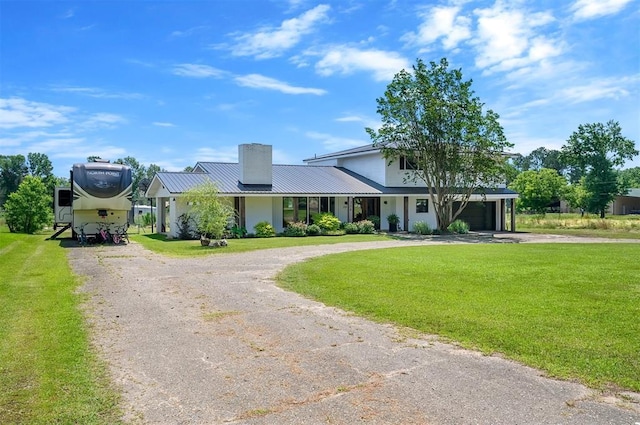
{"x": 393, "y": 220}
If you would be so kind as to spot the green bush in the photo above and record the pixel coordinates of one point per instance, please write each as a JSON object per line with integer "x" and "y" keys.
{"x": 422, "y": 228}
{"x": 264, "y": 229}
{"x": 314, "y": 230}
{"x": 375, "y": 220}
{"x": 458, "y": 226}
{"x": 326, "y": 221}
{"x": 366, "y": 227}
{"x": 351, "y": 228}
{"x": 296, "y": 229}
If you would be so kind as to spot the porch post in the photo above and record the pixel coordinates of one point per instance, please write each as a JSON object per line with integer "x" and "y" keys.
{"x": 513, "y": 215}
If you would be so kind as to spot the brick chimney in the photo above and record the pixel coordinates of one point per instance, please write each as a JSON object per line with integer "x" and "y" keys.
{"x": 255, "y": 162}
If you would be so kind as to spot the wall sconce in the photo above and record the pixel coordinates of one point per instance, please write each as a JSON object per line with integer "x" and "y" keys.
{"x": 385, "y": 202}
{"x": 346, "y": 202}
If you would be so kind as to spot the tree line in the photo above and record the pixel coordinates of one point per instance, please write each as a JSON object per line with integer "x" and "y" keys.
{"x": 27, "y": 185}
{"x": 584, "y": 172}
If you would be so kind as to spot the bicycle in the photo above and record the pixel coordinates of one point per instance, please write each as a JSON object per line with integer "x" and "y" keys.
{"x": 120, "y": 234}
{"x": 82, "y": 237}
{"x": 103, "y": 232}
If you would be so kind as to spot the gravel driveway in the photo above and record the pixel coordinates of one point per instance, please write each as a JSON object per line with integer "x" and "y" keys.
{"x": 212, "y": 340}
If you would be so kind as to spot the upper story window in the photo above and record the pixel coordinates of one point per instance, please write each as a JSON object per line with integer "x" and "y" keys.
{"x": 407, "y": 163}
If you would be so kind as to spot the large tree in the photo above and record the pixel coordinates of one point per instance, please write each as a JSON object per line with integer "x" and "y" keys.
{"x": 630, "y": 177}
{"x": 432, "y": 119}
{"x": 13, "y": 168}
{"x": 41, "y": 167}
{"x": 538, "y": 189}
{"x": 595, "y": 150}
{"x": 28, "y": 209}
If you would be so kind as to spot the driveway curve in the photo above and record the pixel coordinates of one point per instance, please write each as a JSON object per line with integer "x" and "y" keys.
{"x": 212, "y": 340}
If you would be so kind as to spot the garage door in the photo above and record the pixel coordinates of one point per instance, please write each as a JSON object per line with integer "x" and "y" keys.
{"x": 479, "y": 215}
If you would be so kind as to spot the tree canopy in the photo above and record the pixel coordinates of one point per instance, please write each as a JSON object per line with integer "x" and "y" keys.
{"x": 28, "y": 209}
{"x": 595, "y": 150}
{"x": 432, "y": 118}
{"x": 538, "y": 189}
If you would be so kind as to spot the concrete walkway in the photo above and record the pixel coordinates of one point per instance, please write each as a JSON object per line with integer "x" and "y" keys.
{"x": 212, "y": 340}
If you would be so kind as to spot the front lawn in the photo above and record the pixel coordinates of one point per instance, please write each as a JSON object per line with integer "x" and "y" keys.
{"x": 572, "y": 310}
{"x": 48, "y": 371}
{"x": 189, "y": 248}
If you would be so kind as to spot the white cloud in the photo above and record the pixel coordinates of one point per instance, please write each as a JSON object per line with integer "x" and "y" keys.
{"x": 163, "y": 124}
{"x": 85, "y": 150}
{"x": 441, "y": 22}
{"x": 507, "y": 38}
{"x": 189, "y": 31}
{"x": 366, "y": 122}
{"x": 591, "y": 9}
{"x": 16, "y": 113}
{"x": 102, "y": 120}
{"x": 96, "y": 92}
{"x": 271, "y": 42}
{"x": 596, "y": 89}
{"x": 258, "y": 81}
{"x": 348, "y": 60}
{"x": 335, "y": 143}
{"x": 222, "y": 154}
{"x": 197, "y": 71}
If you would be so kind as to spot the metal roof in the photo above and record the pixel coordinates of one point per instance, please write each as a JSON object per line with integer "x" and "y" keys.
{"x": 287, "y": 180}
{"x": 347, "y": 152}
{"x": 290, "y": 180}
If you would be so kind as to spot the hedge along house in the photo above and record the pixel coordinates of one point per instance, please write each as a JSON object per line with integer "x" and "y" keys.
{"x": 353, "y": 184}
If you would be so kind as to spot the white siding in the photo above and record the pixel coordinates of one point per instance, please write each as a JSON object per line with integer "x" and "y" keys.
{"x": 259, "y": 209}
{"x": 428, "y": 217}
{"x": 371, "y": 166}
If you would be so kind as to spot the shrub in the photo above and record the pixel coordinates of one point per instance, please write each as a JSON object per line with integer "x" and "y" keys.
{"x": 326, "y": 221}
{"x": 314, "y": 230}
{"x": 238, "y": 232}
{"x": 185, "y": 225}
{"x": 296, "y": 229}
{"x": 422, "y": 228}
{"x": 458, "y": 226}
{"x": 351, "y": 228}
{"x": 366, "y": 226}
{"x": 375, "y": 220}
{"x": 264, "y": 229}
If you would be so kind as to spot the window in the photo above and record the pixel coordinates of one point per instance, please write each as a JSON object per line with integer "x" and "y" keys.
{"x": 422, "y": 205}
{"x": 64, "y": 198}
{"x": 302, "y": 208}
{"x": 407, "y": 163}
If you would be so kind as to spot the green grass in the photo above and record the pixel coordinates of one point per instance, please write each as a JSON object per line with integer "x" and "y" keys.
{"x": 48, "y": 371}
{"x": 572, "y": 310}
{"x": 180, "y": 248}
{"x": 613, "y": 226}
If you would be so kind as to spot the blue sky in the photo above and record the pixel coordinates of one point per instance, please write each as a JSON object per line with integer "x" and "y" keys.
{"x": 176, "y": 82}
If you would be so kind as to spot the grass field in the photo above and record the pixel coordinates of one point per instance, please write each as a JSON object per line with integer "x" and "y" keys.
{"x": 181, "y": 248}
{"x": 48, "y": 372}
{"x": 570, "y": 309}
{"x": 618, "y": 227}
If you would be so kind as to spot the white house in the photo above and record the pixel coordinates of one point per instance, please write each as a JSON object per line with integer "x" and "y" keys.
{"x": 352, "y": 184}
